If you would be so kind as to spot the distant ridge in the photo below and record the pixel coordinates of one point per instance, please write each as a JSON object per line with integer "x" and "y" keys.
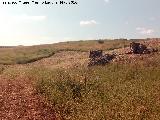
{"x": 7, "y": 46}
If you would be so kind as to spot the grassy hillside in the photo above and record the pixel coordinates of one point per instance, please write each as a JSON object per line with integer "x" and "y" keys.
{"x": 116, "y": 91}
{"x": 22, "y": 54}
{"x": 126, "y": 89}
{"x": 92, "y": 44}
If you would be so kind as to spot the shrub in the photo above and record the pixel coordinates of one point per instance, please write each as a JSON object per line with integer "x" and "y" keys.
{"x": 100, "y": 41}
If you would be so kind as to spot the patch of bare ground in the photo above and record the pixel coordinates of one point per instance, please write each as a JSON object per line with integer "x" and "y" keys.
{"x": 63, "y": 59}
{"x": 19, "y": 101}
{"x": 122, "y": 57}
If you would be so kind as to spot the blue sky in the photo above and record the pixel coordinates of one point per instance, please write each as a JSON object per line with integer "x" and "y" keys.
{"x": 89, "y": 19}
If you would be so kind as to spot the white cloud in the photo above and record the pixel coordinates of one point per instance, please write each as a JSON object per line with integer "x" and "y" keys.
{"x": 88, "y": 23}
{"x": 28, "y": 18}
{"x": 21, "y": 18}
{"x": 145, "y": 31}
{"x": 9, "y": 23}
{"x": 126, "y": 22}
{"x": 67, "y": 38}
{"x": 28, "y": 39}
{"x": 152, "y": 18}
{"x": 107, "y": 1}
{"x": 20, "y": 29}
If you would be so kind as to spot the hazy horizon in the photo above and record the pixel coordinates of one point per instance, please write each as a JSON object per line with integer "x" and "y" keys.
{"x": 91, "y": 19}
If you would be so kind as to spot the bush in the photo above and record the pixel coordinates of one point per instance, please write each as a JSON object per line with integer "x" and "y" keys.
{"x": 2, "y": 68}
{"x": 101, "y": 41}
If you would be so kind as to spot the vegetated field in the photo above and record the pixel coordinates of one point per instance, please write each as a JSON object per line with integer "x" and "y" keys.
{"x": 24, "y": 54}
{"x": 61, "y": 86}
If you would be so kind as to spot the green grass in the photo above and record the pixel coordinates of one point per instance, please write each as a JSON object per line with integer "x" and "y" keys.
{"x": 92, "y": 44}
{"x": 114, "y": 92}
{"x": 23, "y": 55}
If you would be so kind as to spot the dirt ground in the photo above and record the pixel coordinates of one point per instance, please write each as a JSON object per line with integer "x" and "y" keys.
{"x": 64, "y": 60}
{"x": 19, "y": 101}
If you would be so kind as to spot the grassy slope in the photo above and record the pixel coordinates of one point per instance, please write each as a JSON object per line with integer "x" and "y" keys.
{"x": 115, "y": 91}
{"x": 21, "y": 55}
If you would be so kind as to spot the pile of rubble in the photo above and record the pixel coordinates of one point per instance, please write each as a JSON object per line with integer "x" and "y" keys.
{"x": 138, "y": 48}
{"x": 97, "y": 58}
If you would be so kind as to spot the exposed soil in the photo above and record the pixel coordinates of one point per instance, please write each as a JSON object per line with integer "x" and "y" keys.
{"x": 19, "y": 101}
{"x": 64, "y": 60}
